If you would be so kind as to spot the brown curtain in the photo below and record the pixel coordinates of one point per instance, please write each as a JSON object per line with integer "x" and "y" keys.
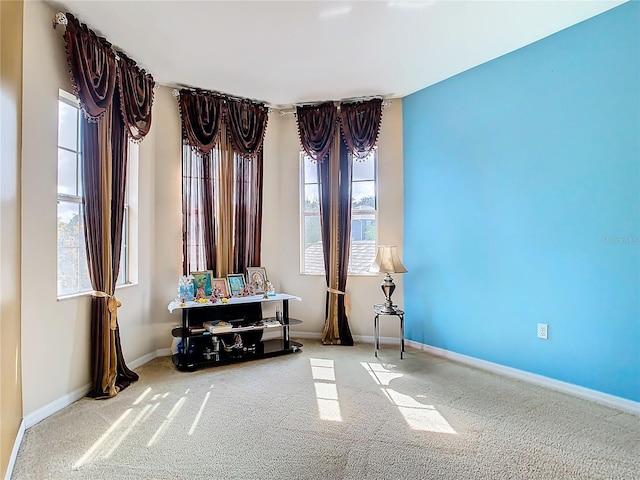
{"x": 198, "y": 230}
{"x": 318, "y": 132}
{"x": 361, "y": 125}
{"x": 227, "y": 135}
{"x": 108, "y": 120}
{"x": 248, "y": 215}
{"x": 316, "y": 128}
{"x": 120, "y": 158}
{"x": 335, "y": 223}
{"x": 223, "y": 159}
{"x": 344, "y": 241}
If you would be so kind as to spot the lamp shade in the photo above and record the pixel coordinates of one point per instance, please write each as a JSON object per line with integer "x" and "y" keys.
{"x": 387, "y": 261}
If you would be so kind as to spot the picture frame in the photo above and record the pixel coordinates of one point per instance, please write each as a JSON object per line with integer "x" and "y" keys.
{"x": 220, "y": 287}
{"x": 236, "y": 284}
{"x": 204, "y": 279}
{"x": 257, "y": 278}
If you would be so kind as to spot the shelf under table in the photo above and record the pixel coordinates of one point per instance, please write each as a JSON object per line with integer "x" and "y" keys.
{"x": 265, "y": 349}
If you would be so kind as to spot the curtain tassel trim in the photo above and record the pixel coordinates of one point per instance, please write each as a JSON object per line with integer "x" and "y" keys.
{"x": 112, "y": 304}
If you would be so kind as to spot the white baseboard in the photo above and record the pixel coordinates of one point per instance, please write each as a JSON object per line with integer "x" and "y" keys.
{"x": 356, "y": 338}
{"x": 383, "y": 340}
{"x": 582, "y": 392}
{"x": 138, "y": 362}
{"x": 311, "y": 335}
{"x": 163, "y": 352}
{"x": 50, "y": 408}
{"x": 14, "y": 452}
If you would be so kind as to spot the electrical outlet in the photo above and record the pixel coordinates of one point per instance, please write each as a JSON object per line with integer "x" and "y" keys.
{"x": 543, "y": 331}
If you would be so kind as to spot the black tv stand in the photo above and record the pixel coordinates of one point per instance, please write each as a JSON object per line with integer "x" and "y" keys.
{"x": 214, "y": 334}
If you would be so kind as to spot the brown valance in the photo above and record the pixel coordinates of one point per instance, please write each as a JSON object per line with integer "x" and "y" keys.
{"x": 246, "y": 126}
{"x": 92, "y": 68}
{"x": 204, "y": 114}
{"x": 201, "y": 115}
{"x": 95, "y": 71}
{"x": 361, "y": 125}
{"x": 135, "y": 87}
{"x": 316, "y": 127}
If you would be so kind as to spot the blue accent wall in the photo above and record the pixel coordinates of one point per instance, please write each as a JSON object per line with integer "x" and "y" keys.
{"x": 522, "y": 206}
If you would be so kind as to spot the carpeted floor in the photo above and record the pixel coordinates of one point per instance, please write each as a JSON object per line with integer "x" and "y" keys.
{"x": 333, "y": 413}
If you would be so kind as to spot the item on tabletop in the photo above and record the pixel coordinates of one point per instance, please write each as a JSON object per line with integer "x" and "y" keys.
{"x": 236, "y": 284}
{"x": 202, "y": 280}
{"x": 257, "y": 278}
{"x": 220, "y": 287}
{"x": 185, "y": 288}
{"x": 271, "y": 290}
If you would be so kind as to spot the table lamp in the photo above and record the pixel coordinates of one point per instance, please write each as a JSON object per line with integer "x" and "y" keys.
{"x": 387, "y": 261}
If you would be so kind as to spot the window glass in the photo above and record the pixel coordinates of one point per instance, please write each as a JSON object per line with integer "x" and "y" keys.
{"x": 67, "y": 126}
{"x": 73, "y": 273}
{"x": 363, "y": 217}
{"x": 67, "y": 172}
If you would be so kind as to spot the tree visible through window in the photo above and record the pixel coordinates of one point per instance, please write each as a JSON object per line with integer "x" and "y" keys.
{"x": 364, "y": 215}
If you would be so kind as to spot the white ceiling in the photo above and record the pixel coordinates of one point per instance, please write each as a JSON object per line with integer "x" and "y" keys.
{"x": 293, "y": 51}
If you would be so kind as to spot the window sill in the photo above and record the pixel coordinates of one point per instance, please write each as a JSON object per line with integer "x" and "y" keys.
{"x": 90, "y": 292}
{"x": 348, "y": 275}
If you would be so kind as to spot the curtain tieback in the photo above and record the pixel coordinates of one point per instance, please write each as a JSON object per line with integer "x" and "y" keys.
{"x": 346, "y": 299}
{"x": 112, "y": 304}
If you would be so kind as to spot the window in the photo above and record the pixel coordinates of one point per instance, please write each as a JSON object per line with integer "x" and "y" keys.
{"x": 73, "y": 274}
{"x": 364, "y": 214}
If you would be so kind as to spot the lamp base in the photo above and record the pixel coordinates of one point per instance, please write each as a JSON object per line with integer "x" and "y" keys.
{"x": 388, "y": 287}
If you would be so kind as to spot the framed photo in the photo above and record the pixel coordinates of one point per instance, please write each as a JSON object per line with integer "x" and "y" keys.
{"x": 220, "y": 287}
{"x": 202, "y": 280}
{"x": 236, "y": 283}
{"x": 257, "y": 278}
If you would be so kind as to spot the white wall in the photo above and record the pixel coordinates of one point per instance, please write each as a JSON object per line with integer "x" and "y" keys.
{"x": 166, "y": 243}
{"x": 55, "y": 334}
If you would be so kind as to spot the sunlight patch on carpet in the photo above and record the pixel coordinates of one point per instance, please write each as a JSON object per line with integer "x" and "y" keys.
{"x": 153, "y": 409}
{"x": 167, "y": 421}
{"x": 417, "y": 415}
{"x": 380, "y": 375}
{"x": 127, "y": 431}
{"x": 326, "y": 390}
{"x": 142, "y": 395}
{"x": 101, "y": 440}
{"x": 199, "y": 414}
{"x": 322, "y": 369}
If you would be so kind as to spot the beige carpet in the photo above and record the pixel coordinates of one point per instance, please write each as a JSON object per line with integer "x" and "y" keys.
{"x": 333, "y": 413}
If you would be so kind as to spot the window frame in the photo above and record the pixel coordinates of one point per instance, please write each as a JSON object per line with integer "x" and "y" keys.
{"x": 125, "y": 274}
{"x": 304, "y": 214}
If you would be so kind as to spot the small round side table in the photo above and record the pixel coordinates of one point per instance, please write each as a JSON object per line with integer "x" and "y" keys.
{"x": 379, "y": 310}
